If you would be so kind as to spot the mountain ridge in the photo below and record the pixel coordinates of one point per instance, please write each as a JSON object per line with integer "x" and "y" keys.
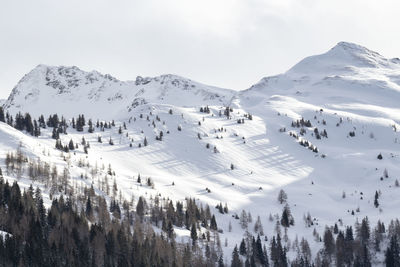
{"x": 346, "y": 66}
{"x": 71, "y": 85}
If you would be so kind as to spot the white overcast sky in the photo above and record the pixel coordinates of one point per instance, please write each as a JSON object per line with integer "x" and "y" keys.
{"x": 230, "y": 43}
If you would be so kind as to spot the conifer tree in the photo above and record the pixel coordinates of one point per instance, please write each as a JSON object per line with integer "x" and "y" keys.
{"x": 71, "y": 145}
{"x": 2, "y": 117}
{"x": 90, "y": 129}
{"x": 392, "y": 254}
{"x": 89, "y": 210}
{"x": 282, "y": 196}
{"x": 236, "y": 262}
{"x": 242, "y": 248}
{"x": 193, "y": 234}
{"x": 376, "y": 202}
{"x": 213, "y": 223}
{"x": 286, "y": 218}
{"x": 140, "y": 208}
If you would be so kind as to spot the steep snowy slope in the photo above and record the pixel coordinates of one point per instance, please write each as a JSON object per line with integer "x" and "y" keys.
{"x": 350, "y": 96}
{"x": 69, "y": 91}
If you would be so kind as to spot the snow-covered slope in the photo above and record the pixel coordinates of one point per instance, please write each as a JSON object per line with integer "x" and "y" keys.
{"x": 350, "y": 92}
{"x": 69, "y": 91}
{"x": 353, "y": 94}
{"x": 346, "y": 74}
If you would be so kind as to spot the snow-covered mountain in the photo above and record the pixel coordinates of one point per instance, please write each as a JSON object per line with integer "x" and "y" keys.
{"x": 326, "y": 163}
{"x": 348, "y": 73}
{"x": 68, "y": 90}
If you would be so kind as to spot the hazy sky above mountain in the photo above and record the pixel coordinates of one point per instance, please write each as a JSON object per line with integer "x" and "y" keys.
{"x": 230, "y": 44}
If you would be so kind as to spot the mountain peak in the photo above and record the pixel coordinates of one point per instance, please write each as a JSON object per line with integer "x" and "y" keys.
{"x": 346, "y": 65}
{"x": 341, "y": 58}
{"x": 358, "y": 55}
{"x": 351, "y": 47}
{"x": 68, "y": 90}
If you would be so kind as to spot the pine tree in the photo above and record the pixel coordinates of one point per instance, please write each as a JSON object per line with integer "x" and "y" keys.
{"x": 2, "y": 118}
{"x": 243, "y": 219}
{"x": 193, "y": 234}
{"x": 329, "y": 242}
{"x": 170, "y": 230}
{"x": 213, "y": 223}
{"x": 221, "y": 261}
{"x": 286, "y": 218}
{"x": 242, "y": 248}
{"x": 55, "y": 134}
{"x": 282, "y": 196}
{"x": 236, "y": 262}
{"x": 90, "y": 129}
{"x": 71, "y": 145}
{"x": 392, "y": 255}
{"x": 89, "y": 211}
{"x": 363, "y": 233}
{"x": 36, "y": 128}
{"x": 376, "y": 203}
{"x": 140, "y": 208}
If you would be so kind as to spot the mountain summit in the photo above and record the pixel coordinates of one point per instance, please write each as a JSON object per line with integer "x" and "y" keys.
{"x": 342, "y": 57}
{"x": 346, "y": 74}
{"x": 68, "y": 90}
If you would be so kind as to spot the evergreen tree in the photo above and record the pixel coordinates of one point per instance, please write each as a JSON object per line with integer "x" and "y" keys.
{"x": 242, "y": 248}
{"x": 221, "y": 261}
{"x": 236, "y": 262}
{"x": 193, "y": 234}
{"x": 363, "y": 232}
{"x": 140, "y": 208}
{"x": 2, "y": 118}
{"x": 286, "y": 218}
{"x": 55, "y": 134}
{"x": 89, "y": 210}
{"x": 329, "y": 244}
{"x": 392, "y": 255}
{"x": 71, "y": 145}
{"x": 90, "y": 129}
{"x": 213, "y": 224}
{"x": 282, "y": 196}
{"x": 376, "y": 203}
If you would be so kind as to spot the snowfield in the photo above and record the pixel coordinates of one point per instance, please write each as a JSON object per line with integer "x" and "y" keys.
{"x": 350, "y": 92}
